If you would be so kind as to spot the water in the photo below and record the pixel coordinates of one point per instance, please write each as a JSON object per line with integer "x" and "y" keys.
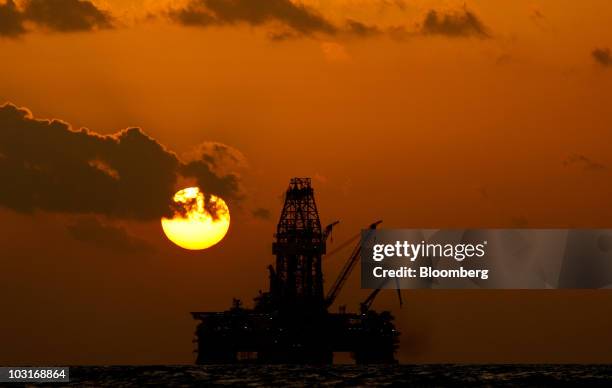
{"x": 343, "y": 375}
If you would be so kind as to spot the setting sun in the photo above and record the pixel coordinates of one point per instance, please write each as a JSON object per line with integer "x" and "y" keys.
{"x": 199, "y": 221}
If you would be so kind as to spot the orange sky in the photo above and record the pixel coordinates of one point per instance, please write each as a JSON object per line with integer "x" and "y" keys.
{"x": 506, "y": 128}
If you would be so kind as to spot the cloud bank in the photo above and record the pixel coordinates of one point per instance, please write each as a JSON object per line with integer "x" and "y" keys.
{"x": 52, "y": 15}
{"x": 284, "y": 19}
{"x": 11, "y": 20}
{"x": 459, "y": 23}
{"x": 289, "y": 19}
{"x": 46, "y": 165}
{"x": 296, "y": 17}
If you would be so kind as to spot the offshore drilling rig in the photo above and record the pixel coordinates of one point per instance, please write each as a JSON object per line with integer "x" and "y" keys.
{"x": 290, "y": 323}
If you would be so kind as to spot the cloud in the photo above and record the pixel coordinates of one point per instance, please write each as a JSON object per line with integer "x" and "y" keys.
{"x": 214, "y": 166}
{"x": 284, "y": 19}
{"x": 91, "y": 230}
{"x": 360, "y": 29}
{"x": 584, "y": 162}
{"x": 67, "y": 15}
{"x": 46, "y": 165}
{"x": 459, "y": 23}
{"x": 280, "y": 36}
{"x": 287, "y": 19}
{"x": 11, "y": 20}
{"x": 53, "y": 15}
{"x": 603, "y": 56}
{"x": 226, "y": 186}
{"x": 262, "y": 213}
{"x": 296, "y": 17}
{"x": 221, "y": 157}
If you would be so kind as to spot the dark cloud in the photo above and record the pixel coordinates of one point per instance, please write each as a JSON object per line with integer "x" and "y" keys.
{"x": 280, "y": 36}
{"x": 603, "y": 56}
{"x": 459, "y": 23}
{"x": 67, "y": 15}
{"x": 11, "y": 20}
{"x": 227, "y": 186}
{"x": 583, "y": 162}
{"x": 47, "y": 165}
{"x": 291, "y": 20}
{"x": 54, "y": 15}
{"x": 297, "y": 17}
{"x": 262, "y": 213}
{"x": 358, "y": 28}
{"x": 91, "y": 230}
{"x": 219, "y": 156}
{"x": 213, "y": 165}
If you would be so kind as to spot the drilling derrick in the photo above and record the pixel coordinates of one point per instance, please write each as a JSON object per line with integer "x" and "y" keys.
{"x": 298, "y": 247}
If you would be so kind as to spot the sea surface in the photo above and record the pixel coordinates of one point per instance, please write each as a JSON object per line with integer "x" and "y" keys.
{"x": 340, "y": 375}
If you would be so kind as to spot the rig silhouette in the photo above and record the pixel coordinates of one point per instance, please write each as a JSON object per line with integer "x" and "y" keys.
{"x": 290, "y": 323}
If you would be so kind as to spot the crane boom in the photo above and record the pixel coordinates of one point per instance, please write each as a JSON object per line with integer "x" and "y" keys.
{"x": 328, "y": 230}
{"x": 366, "y": 304}
{"x": 346, "y": 271}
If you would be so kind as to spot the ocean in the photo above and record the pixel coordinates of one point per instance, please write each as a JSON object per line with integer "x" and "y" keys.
{"x": 439, "y": 375}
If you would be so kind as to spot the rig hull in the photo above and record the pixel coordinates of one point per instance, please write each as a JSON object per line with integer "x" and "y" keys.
{"x": 242, "y": 335}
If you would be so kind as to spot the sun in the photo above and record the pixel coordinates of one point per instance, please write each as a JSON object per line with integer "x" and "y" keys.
{"x": 199, "y": 221}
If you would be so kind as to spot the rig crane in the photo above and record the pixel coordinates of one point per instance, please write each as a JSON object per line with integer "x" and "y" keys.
{"x": 346, "y": 270}
{"x": 366, "y": 304}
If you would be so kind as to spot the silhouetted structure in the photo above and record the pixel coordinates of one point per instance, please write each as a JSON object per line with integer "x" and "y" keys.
{"x": 299, "y": 246}
{"x": 291, "y": 322}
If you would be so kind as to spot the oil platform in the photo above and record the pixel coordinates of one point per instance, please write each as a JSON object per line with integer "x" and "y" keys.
{"x": 290, "y": 323}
